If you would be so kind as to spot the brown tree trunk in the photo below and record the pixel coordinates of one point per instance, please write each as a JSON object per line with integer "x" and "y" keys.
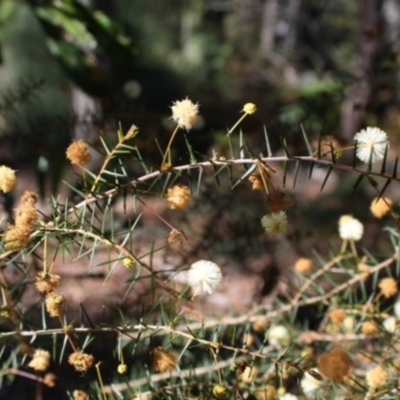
{"x": 370, "y": 43}
{"x": 268, "y": 22}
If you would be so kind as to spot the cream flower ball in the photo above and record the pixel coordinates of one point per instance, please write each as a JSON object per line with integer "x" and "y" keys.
{"x": 350, "y": 228}
{"x": 204, "y": 276}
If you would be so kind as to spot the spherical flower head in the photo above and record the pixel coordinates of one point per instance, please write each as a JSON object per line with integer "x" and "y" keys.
{"x": 249, "y": 374}
{"x": 25, "y": 214}
{"x": 350, "y": 228}
{"x": 122, "y": 368}
{"x": 4, "y": 312}
{"x": 303, "y": 265}
{"x": 369, "y": 328}
{"x": 337, "y": 316}
{"x": 17, "y": 237}
{"x": 335, "y": 364}
{"x": 389, "y": 324}
{"x": 310, "y": 384}
{"x": 55, "y": 304}
{"x": 185, "y": 113}
{"x": 7, "y": 179}
{"x": 49, "y": 380}
{"x": 80, "y": 361}
{"x": 349, "y": 324}
{"x": 249, "y": 108}
{"x": 163, "y": 360}
{"x": 178, "y": 197}
{"x": 220, "y": 391}
{"x": 132, "y": 89}
{"x": 40, "y": 360}
{"x": 29, "y": 198}
{"x": 371, "y": 144}
{"x": 388, "y": 287}
{"x": 275, "y": 223}
{"x": 128, "y": 262}
{"x": 278, "y": 336}
{"x": 78, "y": 153}
{"x": 376, "y": 377}
{"x": 46, "y": 283}
{"x": 204, "y": 276}
{"x": 380, "y": 207}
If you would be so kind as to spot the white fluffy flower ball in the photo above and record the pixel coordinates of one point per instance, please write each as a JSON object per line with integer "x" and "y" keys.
{"x": 204, "y": 276}
{"x": 350, "y": 228}
{"x": 371, "y": 144}
{"x": 185, "y": 113}
{"x": 309, "y": 384}
{"x": 278, "y": 336}
{"x": 389, "y": 324}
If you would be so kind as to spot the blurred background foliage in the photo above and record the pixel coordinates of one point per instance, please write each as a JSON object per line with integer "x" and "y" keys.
{"x": 70, "y": 68}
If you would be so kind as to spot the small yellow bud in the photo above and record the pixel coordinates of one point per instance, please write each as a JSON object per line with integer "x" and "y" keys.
{"x": 128, "y": 262}
{"x": 249, "y": 108}
{"x": 220, "y": 391}
{"x": 122, "y": 368}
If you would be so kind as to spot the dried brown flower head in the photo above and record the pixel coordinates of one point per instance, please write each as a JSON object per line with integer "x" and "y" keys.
{"x": 388, "y": 287}
{"x": 46, "y": 283}
{"x": 178, "y": 197}
{"x": 80, "y": 361}
{"x": 376, "y": 377}
{"x": 337, "y": 316}
{"x": 49, "y": 379}
{"x": 278, "y": 201}
{"x": 17, "y": 237}
{"x": 260, "y": 325}
{"x": 40, "y": 360}
{"x": 78, "y": 153}
{"x": 303, "y": 265}
{"x": 163, "y": 360}
{"x": 7, "y": 179}
{"x": 25, "y": 214}
{"x": 55, "y": 304}
{"x": 185, "y": 113}
{"x": 335, "y": 364}
{"x": 175, "y": 237}
{"x": 29, "y": 197}
{"x": 369, "y": 328}
{"x": 381, "y": 206}
{"x": 256, "y": 181}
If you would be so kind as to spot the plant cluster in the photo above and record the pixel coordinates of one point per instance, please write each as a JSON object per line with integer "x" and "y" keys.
{"x": 172, "y": 350}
